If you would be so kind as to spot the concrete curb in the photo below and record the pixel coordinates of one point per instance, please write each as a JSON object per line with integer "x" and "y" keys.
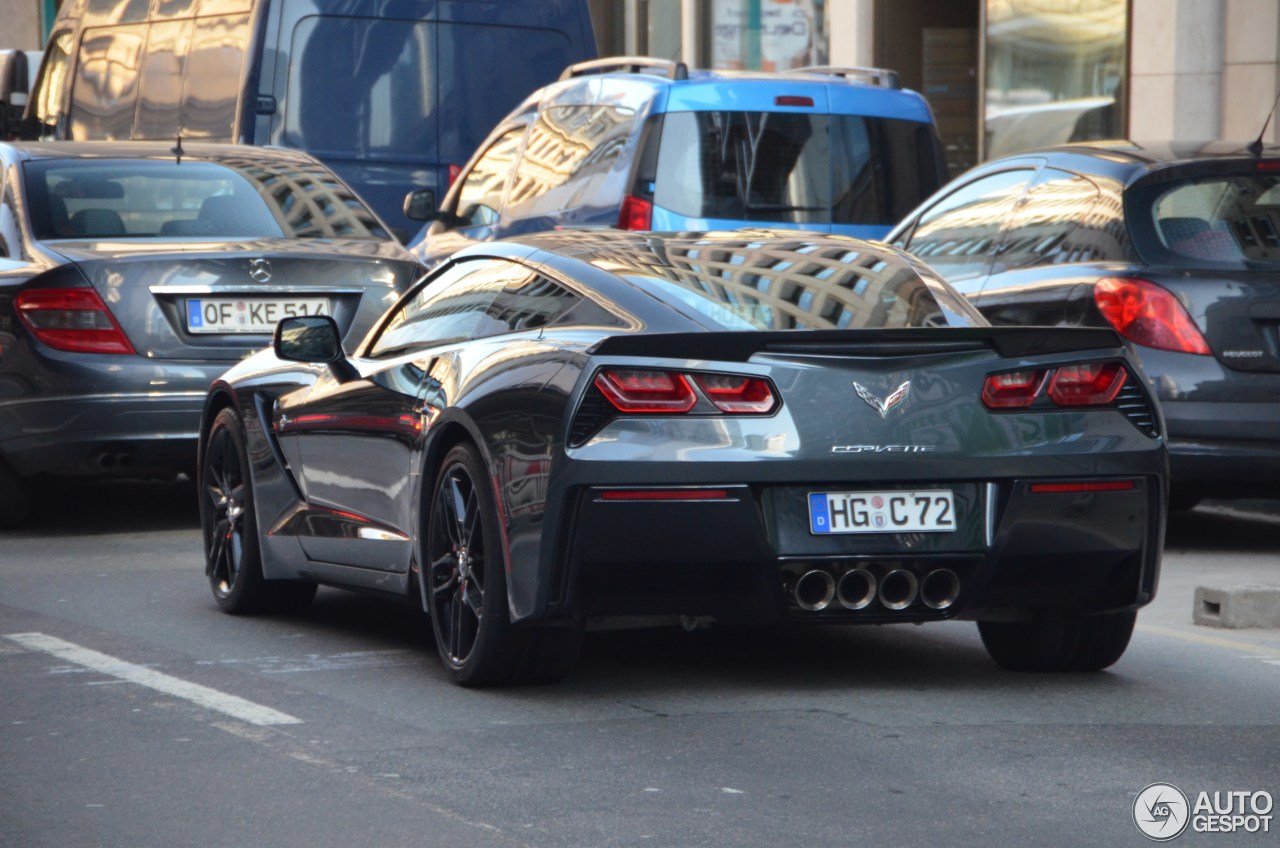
{"x": 1237, "y": 606}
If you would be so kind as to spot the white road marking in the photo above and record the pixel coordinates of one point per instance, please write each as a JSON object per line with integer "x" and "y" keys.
{"x": 232, "y": 705}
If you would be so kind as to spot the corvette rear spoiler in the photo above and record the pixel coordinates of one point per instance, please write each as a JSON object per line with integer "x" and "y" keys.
{"x": 1008, "y": 342}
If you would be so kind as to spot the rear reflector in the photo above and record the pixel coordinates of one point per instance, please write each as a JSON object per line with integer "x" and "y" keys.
{"x": 792, "y": 100}
{"x": 1145, "y": 313}
{"x": 636, "y": 213}
{"x": 1077, "y": 488}
{"x": 646, "y": 391}
{"x": 1013, "y": 389}
{"x": 664, "y": 495}
{"x": 737, "y": 394}
{"x": 1090, "y": 384}
{"x": 1268, "y": 165}
{"x": 74, "y": 320}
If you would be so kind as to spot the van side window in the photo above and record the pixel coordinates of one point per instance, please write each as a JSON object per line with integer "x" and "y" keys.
{"x": 213, "y": 76}
{"x": 363, "y": 85}
{"x": 567, "y": 143}
{"x": 50, "y": 91}
{"x": 480, "y": 198}
{"x": 160, "y": 86}
{"x": 105, "y": 89}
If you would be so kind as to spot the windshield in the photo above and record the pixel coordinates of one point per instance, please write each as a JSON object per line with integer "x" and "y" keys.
{"x": 131, "y": 198}
{"x": 1229, "y": 221}
{"x": 795, "y": 168}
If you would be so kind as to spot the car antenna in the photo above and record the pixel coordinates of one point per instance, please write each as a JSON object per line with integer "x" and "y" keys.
{"x": 1255, "y": 147}
{"x": 176, "y": 150}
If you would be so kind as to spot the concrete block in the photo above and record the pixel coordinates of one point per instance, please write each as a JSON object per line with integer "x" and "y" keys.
{"x": 1237, "y": 606}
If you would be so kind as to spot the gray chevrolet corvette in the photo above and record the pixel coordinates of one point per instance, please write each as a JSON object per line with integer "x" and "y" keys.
{"x": 133, "y": 274}
{"x": 752, "y": 427}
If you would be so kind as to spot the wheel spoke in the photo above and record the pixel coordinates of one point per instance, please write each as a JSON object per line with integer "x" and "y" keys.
{"x": 455, "y": 628}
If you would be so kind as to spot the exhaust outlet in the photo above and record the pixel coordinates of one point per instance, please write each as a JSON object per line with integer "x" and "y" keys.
{"x": 856, "y": 589}
{"x": 814, "y": 590}
{"x": 940, "y": 588}
{"x": 898, "y": 589}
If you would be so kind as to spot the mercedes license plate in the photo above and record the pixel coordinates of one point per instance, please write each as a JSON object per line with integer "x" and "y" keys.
{"x": 925, "y": 511}
{"x": 257, "y": 315}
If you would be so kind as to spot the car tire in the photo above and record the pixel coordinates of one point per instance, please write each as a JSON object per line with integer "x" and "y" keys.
{"x": 467, "y": 588}
{"x": 233, "y": 558}
{"x": 15, "y": 498}
{"x": 1055, "y": 642}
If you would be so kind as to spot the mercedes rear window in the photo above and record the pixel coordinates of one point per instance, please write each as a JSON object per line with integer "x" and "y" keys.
{"x": 795, "y": 168}
{"x": 1225, "y": 221}
{"x": 131, "y": 198}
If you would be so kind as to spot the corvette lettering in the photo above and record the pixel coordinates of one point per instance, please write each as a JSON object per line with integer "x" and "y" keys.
{"x": 883, "y": 448}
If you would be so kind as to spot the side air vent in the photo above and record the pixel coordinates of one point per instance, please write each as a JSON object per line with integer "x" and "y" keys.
{"x": 1132, "y": 401}
{"x": 594, "y": 412}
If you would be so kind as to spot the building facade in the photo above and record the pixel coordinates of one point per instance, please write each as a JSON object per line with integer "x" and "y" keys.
{"x": 1001, "y": 75}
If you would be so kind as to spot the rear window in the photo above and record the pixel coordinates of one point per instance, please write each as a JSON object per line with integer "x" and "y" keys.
{"x": 1227, "y": 221}
{"x": 787, "y": 284}
{"x": 795, "y": 168}
{"x": 162, "y": 198}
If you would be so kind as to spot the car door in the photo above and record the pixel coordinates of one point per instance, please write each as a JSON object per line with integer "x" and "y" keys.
{"x": 957, "y": 236}
{"x": 471, "y": 213}
{"x": 357, "y": 434}
{"x": 1055, "y": 238}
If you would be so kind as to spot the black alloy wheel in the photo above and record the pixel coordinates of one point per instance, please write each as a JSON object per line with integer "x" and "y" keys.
{"x": 233, "y": 561}
{"x": 467, "y": 588}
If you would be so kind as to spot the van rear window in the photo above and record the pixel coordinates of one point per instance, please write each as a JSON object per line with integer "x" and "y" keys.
{"x": 795, "y": 168}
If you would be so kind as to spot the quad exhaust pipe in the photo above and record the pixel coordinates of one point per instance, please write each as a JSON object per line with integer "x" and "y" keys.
{"x": 940, "y": 588}
{"x": 858, "y": 588}
{"x": 814, "y": 590}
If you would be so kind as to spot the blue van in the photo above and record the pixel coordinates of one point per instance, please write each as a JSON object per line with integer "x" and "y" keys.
{"x": 390, "y": 95}
{"x": 641, "y": 143}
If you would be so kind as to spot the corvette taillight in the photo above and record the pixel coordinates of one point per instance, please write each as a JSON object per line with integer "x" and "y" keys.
{"x": 1080, "y": 384}
{"x": 71, "y": 319}
{"x": 647, "y": 391}
{"x": 737, "y": 394}
{"x": 1149, "y": 315}
{"x": 1091, "y": 384}
{"x": 1012, "y": 389}
{"x": 636, "y": 213}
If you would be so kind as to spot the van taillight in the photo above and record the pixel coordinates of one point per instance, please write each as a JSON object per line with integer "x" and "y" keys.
{"x": 636, "y": 214}
{"x": 74, "y": 320}
{"x": 1149, "y": 315}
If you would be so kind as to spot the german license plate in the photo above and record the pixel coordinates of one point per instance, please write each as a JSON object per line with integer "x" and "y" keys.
{"x": 256, "y": 315}
{"x": 924, "y": 511}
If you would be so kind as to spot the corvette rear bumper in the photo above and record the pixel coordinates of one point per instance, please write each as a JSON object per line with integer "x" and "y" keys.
{"x": 743, "y": 553}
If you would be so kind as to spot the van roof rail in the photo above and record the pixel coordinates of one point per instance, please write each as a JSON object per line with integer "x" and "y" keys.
{"x": 882, "y": 77}
{"x": 628, "y": 64}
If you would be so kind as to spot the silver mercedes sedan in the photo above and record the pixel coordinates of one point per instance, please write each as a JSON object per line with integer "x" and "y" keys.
{"x": 133, "y": 274}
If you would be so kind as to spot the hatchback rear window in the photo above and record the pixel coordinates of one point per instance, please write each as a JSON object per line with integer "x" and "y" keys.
{"x": 1229, "y": 221}
{"x": 795, "y": 168}
{"x": 83, "y": 199}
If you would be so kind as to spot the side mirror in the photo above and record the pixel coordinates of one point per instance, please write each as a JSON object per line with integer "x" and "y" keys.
{"x": 420, "y": 205}
{"x": 311, "y": 338}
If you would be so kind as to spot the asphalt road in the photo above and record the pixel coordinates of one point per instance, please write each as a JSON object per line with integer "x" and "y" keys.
{"x": 133, "y": 713}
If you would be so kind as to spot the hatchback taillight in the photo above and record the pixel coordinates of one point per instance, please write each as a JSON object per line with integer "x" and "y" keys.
{"x": 1149, "y": 315}
{"x": 1081, "y": 384}
{"x": 633, "y": 391}
{"x": 636, "y": 214}
{"x": 74, "y": 320}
